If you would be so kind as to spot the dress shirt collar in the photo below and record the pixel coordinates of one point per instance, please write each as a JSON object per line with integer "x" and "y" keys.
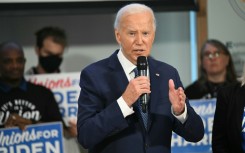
{"x": 126, "y": 64}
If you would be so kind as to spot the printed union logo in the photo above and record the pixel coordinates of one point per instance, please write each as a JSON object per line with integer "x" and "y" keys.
{"x": 239, "y": 7}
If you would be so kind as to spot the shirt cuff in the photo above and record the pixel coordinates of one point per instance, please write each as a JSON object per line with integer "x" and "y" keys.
{"x": 126, "y": 110}
{"x": 182, "y": 117}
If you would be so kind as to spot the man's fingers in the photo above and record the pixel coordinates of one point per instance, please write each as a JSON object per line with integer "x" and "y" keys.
{"x": 171, "y": 85}
{"x": 16, "y": 120}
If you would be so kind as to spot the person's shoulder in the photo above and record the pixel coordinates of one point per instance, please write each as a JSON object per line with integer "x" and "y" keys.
{"x": 98, "y": 65}
{"x": 156, "y": 61}
{"x": 232, "y": 88}
{"x": 103, "y": 63}
{"x": 230, "y": 92}
{"x": 99, "y": 62}
{"x": 160, "y": 64}
{"x": 195, "y": 90}
{"x": 36, "y": 87}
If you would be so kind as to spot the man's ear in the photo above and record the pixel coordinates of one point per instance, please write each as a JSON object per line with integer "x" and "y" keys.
{"x": 118, "y": 37}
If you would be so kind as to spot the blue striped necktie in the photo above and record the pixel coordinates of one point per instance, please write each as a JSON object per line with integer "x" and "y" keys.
{"x": 144, "y": 116}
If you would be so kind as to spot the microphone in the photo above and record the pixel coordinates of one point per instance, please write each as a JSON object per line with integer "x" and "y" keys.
{"x": 142, "y": 71}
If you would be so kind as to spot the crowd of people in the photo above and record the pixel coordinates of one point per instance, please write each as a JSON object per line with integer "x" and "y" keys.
{"x": 110, "y": 116}
{"x": 50, "y": 45}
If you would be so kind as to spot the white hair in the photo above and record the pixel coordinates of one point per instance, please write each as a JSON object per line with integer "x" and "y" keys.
{"x": 131, "y": 9}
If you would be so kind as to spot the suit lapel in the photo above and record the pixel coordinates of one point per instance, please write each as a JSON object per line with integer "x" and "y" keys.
{"x": 118, "y": 77}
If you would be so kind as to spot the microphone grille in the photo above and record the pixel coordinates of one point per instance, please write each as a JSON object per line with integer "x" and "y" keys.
{"x": 141, "y": 63}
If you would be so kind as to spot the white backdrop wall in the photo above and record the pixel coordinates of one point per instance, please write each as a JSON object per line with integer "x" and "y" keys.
{"x": 226, "y": 22}
{"x": 91, "y": 38}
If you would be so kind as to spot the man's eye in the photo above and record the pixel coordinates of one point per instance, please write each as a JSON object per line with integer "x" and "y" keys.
{"x": 21, "y": 61}
{"x": 146, "y": 33}
{"x": 131, "y": 33}
{"x": 6, "y": 61}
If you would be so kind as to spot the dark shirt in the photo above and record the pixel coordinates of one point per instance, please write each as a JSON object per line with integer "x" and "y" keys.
{"x": 228, "y": 120}
{"x": 30, "y": 101}
{"x": 205, "y": 90}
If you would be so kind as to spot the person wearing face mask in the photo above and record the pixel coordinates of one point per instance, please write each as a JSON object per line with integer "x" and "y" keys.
{"x": 50, "y": 46}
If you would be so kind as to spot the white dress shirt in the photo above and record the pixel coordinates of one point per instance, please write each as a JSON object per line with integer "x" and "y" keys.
{"x": 128, "y": 68}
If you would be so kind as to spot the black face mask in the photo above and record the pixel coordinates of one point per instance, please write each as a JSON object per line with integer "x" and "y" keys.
{"x": 50, "y": 63}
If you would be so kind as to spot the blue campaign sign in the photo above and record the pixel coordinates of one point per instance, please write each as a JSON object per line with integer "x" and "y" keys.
{"x": 38, "y": 138}
{"x": 65, "y": 87}
{"x": 206, "y": 109}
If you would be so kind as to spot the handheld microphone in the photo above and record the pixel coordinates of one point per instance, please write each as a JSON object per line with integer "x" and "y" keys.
{"x": 142, "y": 71}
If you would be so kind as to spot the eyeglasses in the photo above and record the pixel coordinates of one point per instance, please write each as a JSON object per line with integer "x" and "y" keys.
{"x": 210, "y": 55}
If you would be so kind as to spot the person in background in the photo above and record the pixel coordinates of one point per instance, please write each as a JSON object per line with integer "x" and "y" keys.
{"x": 51, "y": 42}
{"x": 110, "y": 117}
{"x": 19, "y": 97}
{"x": 229, "y": 119}
{"x": 217, "y": 70}
{"x": 50, "y": 46}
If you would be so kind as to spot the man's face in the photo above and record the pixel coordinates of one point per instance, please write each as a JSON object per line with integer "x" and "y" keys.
{"x": 136, "y": 35}
{"x": 50, "y": 48}
{"x": 12, "y": 64}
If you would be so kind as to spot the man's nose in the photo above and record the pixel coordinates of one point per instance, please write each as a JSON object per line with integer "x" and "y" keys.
{"x": 139, "y": 39}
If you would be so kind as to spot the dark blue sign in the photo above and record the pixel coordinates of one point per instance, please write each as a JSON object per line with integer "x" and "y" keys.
{"x": 39, "y": 138}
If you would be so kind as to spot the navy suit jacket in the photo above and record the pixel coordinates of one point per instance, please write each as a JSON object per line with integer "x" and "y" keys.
{"x": 101, "y": 125}
{"x": 228, "y": 117}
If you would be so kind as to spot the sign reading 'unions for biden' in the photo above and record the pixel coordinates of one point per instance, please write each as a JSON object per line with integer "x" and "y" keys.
{"x": 206, "y": 109}
{"x": 65, "y": 87}
{"x": 39, "y": 138}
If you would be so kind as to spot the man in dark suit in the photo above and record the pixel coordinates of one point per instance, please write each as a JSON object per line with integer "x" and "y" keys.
{"x": 109, "y": 113}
